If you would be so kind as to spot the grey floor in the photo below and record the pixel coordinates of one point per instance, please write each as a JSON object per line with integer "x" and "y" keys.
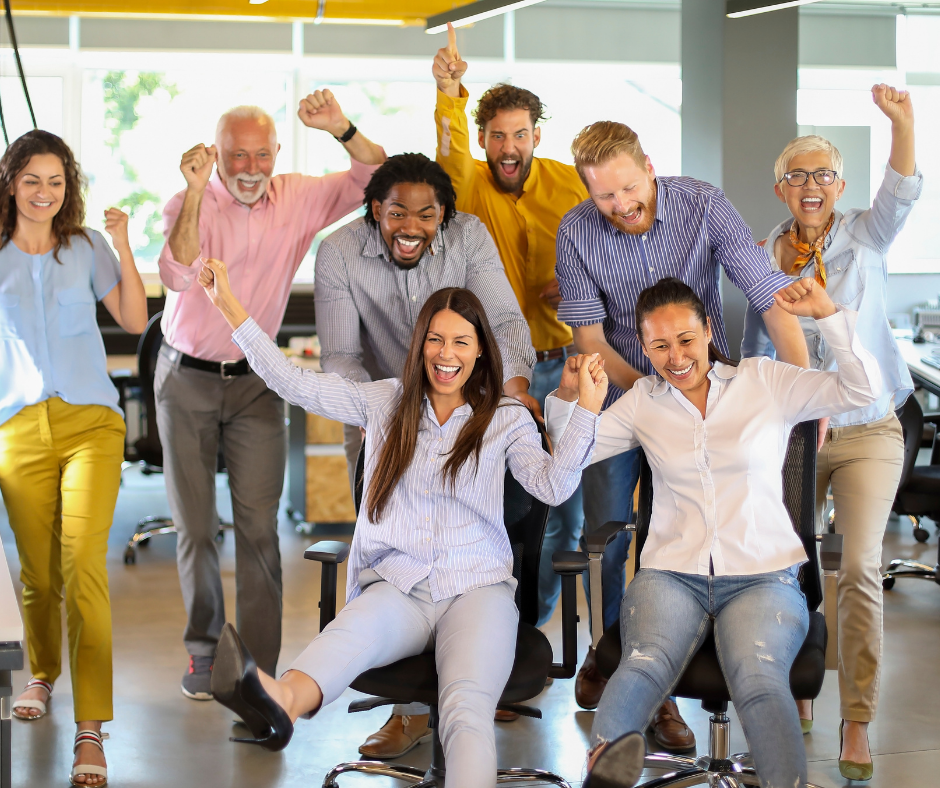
{"x": 159, "y": 738}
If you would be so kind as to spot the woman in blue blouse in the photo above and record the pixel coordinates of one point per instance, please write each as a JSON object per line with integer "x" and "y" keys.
{"x": 862, "y": 451}
{"x": 61, "y": 431}
{"x": 431, "y": 565}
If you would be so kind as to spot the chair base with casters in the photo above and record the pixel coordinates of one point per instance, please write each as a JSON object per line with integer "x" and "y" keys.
{"x": 902, "y": 567}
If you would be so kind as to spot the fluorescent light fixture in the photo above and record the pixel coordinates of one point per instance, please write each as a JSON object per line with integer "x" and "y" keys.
{"x": 257, "y": 2}
{"x": 738, "y": 8}
{"x": 474, "y": 12}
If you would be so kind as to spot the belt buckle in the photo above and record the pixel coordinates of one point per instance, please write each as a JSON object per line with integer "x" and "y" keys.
{"x": 222, "y": 368}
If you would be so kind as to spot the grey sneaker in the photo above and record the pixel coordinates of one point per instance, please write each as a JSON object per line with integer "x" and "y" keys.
{"x": 197, "y": 679}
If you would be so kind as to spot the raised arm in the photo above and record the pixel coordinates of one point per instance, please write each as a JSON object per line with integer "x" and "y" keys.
{"x": 450, "y": 116}
{"x": 126, "y": 301}
{"x": 321, "y": 110}
{"x": 184, "y": 242}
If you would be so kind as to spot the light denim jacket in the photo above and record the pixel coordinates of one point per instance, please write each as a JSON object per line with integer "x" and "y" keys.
{"x": 857, "y": 277}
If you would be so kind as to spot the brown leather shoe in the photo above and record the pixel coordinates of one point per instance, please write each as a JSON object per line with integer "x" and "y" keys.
{"x": 589, "y": 684}
{"x": 397, "y": 736}
{"x": 669, "y": 729}
{"x": 504, "y": 715}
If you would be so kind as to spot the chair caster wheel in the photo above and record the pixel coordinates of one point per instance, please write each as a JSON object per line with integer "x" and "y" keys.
{"x": 130, "y": 556}
{"x": 921, "y": 534}
{"x": 145, "y": 543}
{"x": 887, "y": 583}
{"x": 220, "y": 537}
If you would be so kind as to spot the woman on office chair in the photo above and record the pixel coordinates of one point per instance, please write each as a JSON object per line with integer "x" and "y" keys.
{"x": 61, "y": 430}
{"x": 431, "y": 564}
{"x": 721, "y": 546}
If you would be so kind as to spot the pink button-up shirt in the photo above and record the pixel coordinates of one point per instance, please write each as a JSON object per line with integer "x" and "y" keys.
{"x": 262, "y": 247}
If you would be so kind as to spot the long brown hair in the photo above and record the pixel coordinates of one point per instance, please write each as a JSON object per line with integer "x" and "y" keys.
{"x": 670, "y": 291}
{"x": 482, "y": 391}
{"x": 71, "y": 216}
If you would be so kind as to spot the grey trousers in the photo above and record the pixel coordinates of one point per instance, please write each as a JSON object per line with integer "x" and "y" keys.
{"x": 473, "y": 637}
{"x": 195, "y": 411}
{"x": 352, "y": 442}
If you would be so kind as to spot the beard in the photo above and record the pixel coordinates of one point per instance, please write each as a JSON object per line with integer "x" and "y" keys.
{"x": 233, "y": 184}
{"x": 647, "y": 216}
{"x": 513, "y": 184}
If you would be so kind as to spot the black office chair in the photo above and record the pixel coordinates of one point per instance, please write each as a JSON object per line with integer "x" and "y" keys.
{"x": 148, "y": 449}
{"x": 918, "y": 494}
{"x": 414, "y": 679}
{"x": 703, "y": 679}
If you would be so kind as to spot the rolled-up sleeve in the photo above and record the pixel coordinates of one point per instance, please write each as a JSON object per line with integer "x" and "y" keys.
{"x": 746, "y": 263}
{"x": 581, "y": 303}
{"x": 892, "y": 205}
{"x": 331, "y": 197}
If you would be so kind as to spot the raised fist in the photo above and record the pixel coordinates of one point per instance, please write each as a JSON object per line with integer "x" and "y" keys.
{"x": 592, "y": 383}
{"x": 448, "y": 68}
{"x": 196, "y": 165}
{"x": 321, "y": 110}
{"x": 805, "y": 298}
{"x": 894, "y": 103}
{"x": 115, "y": 224}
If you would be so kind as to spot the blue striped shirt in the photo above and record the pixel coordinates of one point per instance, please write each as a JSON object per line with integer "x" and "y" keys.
{"x": 601, "y": 270}
{"x": 454, "y": 537}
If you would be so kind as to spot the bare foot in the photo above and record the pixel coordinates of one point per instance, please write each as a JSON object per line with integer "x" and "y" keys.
{"x": 855, "y": 742}
{"x": 33, "y": 693}
{"x": 805, "y": 709}
{"x": 89, "y": 754}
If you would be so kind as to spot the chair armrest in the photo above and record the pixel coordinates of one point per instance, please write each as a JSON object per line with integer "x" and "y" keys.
{"x": 569, "y": 562}
{"x": 330, "y": 555}
{"x": 830, "y": 557}
{"x": 598, "y": 540}
{"x": 327, "y": 552}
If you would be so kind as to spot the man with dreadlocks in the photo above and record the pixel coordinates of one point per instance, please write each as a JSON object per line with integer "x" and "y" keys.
{"x": 372, "y": 278}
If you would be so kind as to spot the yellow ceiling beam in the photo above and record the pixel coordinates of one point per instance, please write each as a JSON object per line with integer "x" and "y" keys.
{"x": 403, "y": 11}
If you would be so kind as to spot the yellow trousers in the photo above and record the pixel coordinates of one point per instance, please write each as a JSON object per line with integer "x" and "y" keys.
{"x": 60, "y": 470}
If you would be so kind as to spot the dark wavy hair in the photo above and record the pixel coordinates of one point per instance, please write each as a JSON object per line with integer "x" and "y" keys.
{"x": 482, "y": 391}
{"x": 69, "y": 221}
{"x": 670, "y": 291}
{"x": 410, "y": 168}
{"x": 505, "y": 96}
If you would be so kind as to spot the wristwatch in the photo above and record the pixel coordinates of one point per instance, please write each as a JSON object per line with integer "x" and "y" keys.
{"x": 348, "y": 135}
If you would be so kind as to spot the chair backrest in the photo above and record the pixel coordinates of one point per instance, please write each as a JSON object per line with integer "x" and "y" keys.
{"x": 911, "y": 417}
{"x": 799, "y": 497}
{"x": 148, "y": 446}
{"x": 525, "y": 517}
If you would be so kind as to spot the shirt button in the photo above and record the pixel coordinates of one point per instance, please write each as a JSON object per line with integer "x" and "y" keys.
{"x": 414, "y": 298}
{"x": 428, "y": 539}
{"x": 427, "y": 519}
{"x": 425, "y": 492}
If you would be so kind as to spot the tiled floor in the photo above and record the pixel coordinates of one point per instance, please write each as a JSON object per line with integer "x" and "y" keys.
{"x": 159, "y": 738}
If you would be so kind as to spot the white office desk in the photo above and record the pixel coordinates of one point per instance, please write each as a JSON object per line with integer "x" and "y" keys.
{"x": 923, "y": 374}
{"x": 11, "y": 658}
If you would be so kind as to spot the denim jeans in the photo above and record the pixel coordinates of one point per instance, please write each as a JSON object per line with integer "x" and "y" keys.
{"x": 564, "y": 522}
{"x": 760, "y": 623}
{"x": 608, "y": 495}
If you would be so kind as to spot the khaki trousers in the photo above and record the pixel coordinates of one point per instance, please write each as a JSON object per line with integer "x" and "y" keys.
{"x": 863, "y": 466}
{"x": 60, "y": 470}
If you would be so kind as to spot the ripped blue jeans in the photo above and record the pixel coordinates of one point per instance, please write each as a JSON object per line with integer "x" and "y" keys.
{"x": 760, "y": 624}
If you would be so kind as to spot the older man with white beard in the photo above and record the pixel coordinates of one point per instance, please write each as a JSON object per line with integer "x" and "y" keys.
{"x": 207, "y": 397}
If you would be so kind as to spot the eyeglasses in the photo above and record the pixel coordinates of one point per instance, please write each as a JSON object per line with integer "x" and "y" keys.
{"x": 799, "y": 177}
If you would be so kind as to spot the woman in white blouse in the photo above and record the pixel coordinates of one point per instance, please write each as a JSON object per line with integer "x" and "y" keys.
{"x": 430, "y": 566}
{"x": 721, "y": 546}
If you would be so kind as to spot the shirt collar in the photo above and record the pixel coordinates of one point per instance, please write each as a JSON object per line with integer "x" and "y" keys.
{"x": 784, "y": 227}
{"x": 375, "y": 245}
{"x": 463, "y": 410}
{"x": 225, "y": 199}
{"x": 719, "y": 372}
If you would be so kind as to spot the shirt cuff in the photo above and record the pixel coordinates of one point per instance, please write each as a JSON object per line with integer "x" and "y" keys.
{"x": 838, "y": 331}
{"x": 246, "y": 333}
{"x": 174, "y": 274}
{"x": 450, "y": 104}
{"x": 761, "y": 295}
{"x": 362, "y": 173}
{"x": 582, "y": 313}
{"x": 904, "y": 187}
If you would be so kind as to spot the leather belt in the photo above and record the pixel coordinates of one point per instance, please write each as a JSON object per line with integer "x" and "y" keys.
{"x": 558, "y": 352}
{"x": 227, "y": 369}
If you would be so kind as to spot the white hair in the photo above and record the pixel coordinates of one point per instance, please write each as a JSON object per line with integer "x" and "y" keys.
{"x": 244, "y": 112}
{"x": 812, "y": 143}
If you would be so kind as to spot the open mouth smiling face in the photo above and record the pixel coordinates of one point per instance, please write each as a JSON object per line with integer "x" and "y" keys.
{"x": 810, "y": 203}
{"x": 451, "y": 349}
{"x": 408, "y": 219}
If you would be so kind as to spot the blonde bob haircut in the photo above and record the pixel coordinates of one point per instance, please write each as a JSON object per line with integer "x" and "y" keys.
{"x": 605, "y": 140}
{"x": 812, "y": 143}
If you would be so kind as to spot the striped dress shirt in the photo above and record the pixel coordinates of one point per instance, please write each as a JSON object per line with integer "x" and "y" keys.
{"x": 367, "y": 305}
{"x": 601, "y": 270}
{"x": 454, "y": 537}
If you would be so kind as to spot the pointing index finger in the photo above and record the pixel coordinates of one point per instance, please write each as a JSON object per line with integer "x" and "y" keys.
{"x": 452, "y": 42}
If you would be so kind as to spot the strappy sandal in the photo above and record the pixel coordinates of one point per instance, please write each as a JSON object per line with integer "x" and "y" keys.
{"x": 33, "y": 704}
{"x": 88, "y": 737}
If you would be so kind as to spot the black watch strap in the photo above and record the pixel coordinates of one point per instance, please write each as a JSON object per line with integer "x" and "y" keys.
{"x": 348, "y": 135}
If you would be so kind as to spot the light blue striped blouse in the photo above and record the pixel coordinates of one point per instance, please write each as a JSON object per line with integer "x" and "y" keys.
{"x": 601, "y": 270}
{"x": 454, "y": 537}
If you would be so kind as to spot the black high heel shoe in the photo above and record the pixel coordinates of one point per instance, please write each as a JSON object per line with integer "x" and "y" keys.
{"x": 237, "y": 686}
{"x": 620, "y": 763}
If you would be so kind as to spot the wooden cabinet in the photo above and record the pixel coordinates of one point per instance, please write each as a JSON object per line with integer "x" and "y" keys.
{"x": 328, "y": 497}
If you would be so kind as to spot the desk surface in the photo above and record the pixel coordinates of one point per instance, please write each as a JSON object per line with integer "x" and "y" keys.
{"x": 923, "y": 374}
{"x": 11, "y": 625}
{"x": 119, "y": 362}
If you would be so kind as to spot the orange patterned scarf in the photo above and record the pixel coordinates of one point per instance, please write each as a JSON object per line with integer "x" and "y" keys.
{"x": 813, "y": 251}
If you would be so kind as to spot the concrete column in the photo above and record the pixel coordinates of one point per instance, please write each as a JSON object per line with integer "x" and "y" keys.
{"x": 739, "y": 81}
